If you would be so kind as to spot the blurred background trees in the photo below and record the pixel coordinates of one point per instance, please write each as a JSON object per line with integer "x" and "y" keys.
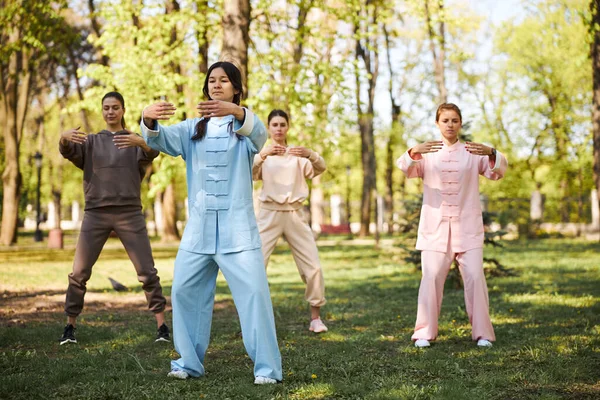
{"x": 361, "y": 80}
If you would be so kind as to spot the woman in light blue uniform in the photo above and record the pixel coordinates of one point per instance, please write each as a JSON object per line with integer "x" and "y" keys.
{"x": 221, "y": 232}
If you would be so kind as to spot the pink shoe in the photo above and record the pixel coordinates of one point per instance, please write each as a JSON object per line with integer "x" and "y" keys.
{"x": 317, "y": 326}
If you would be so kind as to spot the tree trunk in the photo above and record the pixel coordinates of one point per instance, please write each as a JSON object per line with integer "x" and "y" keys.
{"x": 236, "y": 26}
{"x": 16, "y": 82}
{"x": 439, "y": 54}
{"x": 97, "y": 28}
{"x": 368, "y": 163}
{"x": 595, "y": 53}
{"x": 202, "y": 36}
{"x": 389, "y": 183}
{"x": 369, "y": 54}
{"x": 392, "y": 140}
{"x": 169, "y": 214}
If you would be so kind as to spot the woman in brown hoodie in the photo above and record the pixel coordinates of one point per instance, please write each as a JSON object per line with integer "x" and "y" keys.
{"x": 114, "y": 163}
{"x": 284, "y": 170}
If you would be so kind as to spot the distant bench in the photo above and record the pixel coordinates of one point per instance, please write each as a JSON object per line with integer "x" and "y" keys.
{"x": 343, "y": 229}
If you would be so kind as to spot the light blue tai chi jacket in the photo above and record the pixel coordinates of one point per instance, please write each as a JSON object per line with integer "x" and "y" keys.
{"x": 219, "y": 180}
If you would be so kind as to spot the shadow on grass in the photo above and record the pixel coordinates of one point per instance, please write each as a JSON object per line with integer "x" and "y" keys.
{"x": 546, "y": 321}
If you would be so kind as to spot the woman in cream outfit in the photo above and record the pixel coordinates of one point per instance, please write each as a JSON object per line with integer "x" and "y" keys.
{"x": 284, "y": 171}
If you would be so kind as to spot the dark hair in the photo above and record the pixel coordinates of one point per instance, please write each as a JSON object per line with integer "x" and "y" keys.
{"x": 447, "y": 107}
{"x": 278, "y": 113}
{"x": 119, "y": 97}
{"x": 235, "y": 77}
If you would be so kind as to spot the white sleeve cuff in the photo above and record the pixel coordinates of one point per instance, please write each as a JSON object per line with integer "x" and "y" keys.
{"x": 407, "y": 160}
{"x": 247, "y": 125}
{"x": 148, "y": 132}
{"x": 498, "y": 161}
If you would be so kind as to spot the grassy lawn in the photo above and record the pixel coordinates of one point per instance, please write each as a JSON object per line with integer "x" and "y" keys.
{"x": 547, "y": 321}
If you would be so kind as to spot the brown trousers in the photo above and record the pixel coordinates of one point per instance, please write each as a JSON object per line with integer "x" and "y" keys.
{"x": 130, "y": 226}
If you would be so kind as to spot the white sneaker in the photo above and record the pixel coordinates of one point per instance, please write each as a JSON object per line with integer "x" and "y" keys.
{"x": 263, "y": 380}
{"x": 422, "y": 343}
{"x": 484, "y": 343}
{"x": 178, "y": 374}
{"x": 317, "y": 326}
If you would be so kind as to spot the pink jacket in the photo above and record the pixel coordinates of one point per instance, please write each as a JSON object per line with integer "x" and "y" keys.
{"x": 451, "y": 203}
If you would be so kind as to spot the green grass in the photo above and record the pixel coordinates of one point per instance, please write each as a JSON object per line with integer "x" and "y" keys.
{"x": 547, "y": 321}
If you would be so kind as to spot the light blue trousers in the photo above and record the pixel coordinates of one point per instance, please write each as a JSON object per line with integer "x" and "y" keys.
{"x": 193, "y": 296}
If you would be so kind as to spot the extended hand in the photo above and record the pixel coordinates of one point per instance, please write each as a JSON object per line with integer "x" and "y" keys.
{"x": 159, "y": 111}
{"x": 478, "y": 149}
{"x": 272, "y": 150}
{"x": 300, "y": 152}
{"x": 74, "y": 136}
{"x": 427, "y": 147}
{"x": 129, "y": 140}
{"x": 218, "y": 108}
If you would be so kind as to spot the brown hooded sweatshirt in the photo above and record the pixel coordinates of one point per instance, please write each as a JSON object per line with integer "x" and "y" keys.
{"x": 111, "y": 176}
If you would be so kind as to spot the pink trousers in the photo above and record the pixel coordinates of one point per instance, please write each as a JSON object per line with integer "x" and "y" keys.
{"x": 435, "y": 267}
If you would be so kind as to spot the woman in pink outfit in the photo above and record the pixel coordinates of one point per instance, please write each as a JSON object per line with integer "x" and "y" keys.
{"x": 451, "y": 224}
{"x": 284, "y": 170}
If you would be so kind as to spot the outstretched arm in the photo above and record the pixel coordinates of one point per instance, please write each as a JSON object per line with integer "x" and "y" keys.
{"x": 171, "y": 140}
{"x": 72, "y": 146}
{"x": 411, "y": 162}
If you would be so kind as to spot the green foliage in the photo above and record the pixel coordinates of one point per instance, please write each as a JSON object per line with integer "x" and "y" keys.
{"x": 531, "y": 95}
{"x": 548, "y": 55}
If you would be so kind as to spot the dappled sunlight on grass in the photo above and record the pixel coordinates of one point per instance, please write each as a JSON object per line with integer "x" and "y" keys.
{"x": 553, "y": 299}
{"x": 546, "y": 319}
{"x": 314, "y": 391}
{"x": 332, "y": 337}
{"x": 506, "y": 320}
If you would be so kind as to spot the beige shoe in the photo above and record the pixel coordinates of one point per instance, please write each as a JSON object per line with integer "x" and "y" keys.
{"x": 317, "y": 326}
{"x": 484, "y": 343}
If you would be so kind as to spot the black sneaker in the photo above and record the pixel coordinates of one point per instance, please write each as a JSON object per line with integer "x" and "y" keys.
{"x": 162, "y": 335}
{"x": 68, "y": 335}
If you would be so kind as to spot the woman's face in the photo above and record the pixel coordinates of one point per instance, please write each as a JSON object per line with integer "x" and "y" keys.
{"x": 278, "y": 128}
{"x": 220, "y": 87}
{"x": 112, "y": 111}
{"x": 449, "y": 125}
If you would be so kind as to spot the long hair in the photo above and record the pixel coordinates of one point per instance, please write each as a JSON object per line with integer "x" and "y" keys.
{"x": 121, "y": 100}
{"x": 235, "y": 77}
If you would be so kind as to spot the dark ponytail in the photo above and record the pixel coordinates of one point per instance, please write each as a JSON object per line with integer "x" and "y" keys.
{"x": 121, "y": 100}
{"x": 235, "y": 77}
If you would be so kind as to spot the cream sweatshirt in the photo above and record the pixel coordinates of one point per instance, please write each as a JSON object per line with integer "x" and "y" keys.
{"x": 284, "y": 179}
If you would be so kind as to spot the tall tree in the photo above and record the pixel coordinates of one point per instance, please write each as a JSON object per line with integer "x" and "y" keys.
{"x": 437, "y": 45}
{"x": 236, "y": 37}
{"x": 366, "y": 33}
{"x": 547, "y": 54}
{"x": 26, "y": 39}
{"x": 595, "y": 55}
{"x": 97, "y": 30}
{"x": 167, "y": 196}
